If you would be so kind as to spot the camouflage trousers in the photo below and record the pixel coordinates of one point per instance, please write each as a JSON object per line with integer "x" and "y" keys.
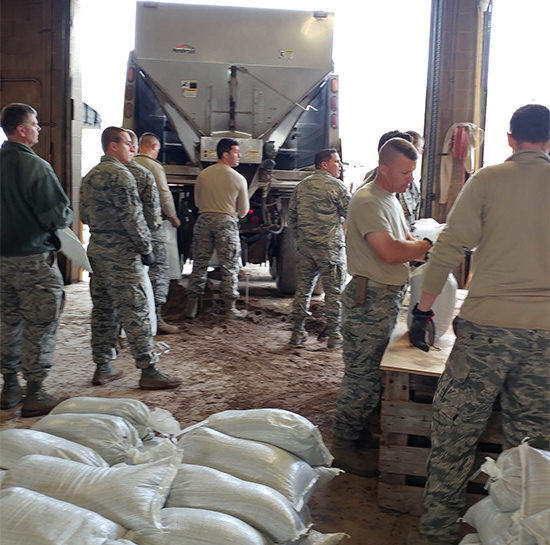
{"x": 158, "y": 273}
{"x": 330, "y": 264}
{"x": 32, "y": 298}
{"x": 119, "y": 297}
{"x": 366, "y": 330}
{"x": 220, "y": 233}
{"x": 484, "y": 362}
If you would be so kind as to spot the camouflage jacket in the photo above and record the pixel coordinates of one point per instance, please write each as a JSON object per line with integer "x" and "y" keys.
{"x": 110, "y": 205}
{"x": 317, "y": 208}
{"x": 148, "y": 193}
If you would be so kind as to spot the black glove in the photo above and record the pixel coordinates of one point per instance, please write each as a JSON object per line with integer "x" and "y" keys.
{"x": 422, "y": 323}
{"x": 148, "y": 259}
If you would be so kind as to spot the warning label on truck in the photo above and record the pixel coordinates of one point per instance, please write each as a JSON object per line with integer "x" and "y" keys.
{"x": 189, "y": 88}
{"x": 285, "y": 54}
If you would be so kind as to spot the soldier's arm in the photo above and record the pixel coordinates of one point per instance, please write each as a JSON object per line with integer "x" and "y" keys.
{"x": 243, "y": 205}
{"x": 342, "y": 200}
{"x": 49, "y": 202}
{"x": 130, "y": 211}
{"x": 166, "y": 200}
{"x": 151, "y": 200}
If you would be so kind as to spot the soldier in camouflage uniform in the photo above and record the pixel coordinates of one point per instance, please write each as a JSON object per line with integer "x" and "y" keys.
{"x": 316, "y": 212}
{"x": 120, "y": 244}
{"x": 221, "y": 195}
{"x": 378, "y": 248}
{"x": 158, "y": 273}
{"x": 33, "y": 206}
{"x": 503, "y": 329}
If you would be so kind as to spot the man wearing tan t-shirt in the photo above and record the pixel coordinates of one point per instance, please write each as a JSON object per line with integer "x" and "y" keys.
{"x": 221, "y": 195}
{"x": 378, "y": 248}
{"x": 503, "y": 330}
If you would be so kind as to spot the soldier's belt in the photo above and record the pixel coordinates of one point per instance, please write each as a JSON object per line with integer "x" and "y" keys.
{"x": 362, "y": 284}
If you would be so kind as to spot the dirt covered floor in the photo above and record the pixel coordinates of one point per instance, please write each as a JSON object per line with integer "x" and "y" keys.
{"x": 234, "y": 365}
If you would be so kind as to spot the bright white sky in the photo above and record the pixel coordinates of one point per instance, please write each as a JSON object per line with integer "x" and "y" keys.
{"x": 380, "y": 54}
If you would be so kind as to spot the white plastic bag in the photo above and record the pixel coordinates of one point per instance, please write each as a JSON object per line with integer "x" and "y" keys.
{"x": 184, "y": 526}
{"x": 284, "y": 429}
{"x": 172, "y": 251}
{"x": 493, "y": 527}
{"x": 133, "y": 411}
{"x": 156, "y": 451}
{"x": 504, "y": 482}
{"x": 111, "y": 436}
{"x": 444, "y": 305}
{"x": 132, "y": 496}
{"x": 30, "y": 518}
{"x": 17, "y": 443}
{"x": 427, "y": 228}
{"x": 260, "y": 506}
{"x": 470, "y": 539}
{"x": 252, "y": 461}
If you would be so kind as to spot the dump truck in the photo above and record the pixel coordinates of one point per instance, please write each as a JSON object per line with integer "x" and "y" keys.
{"x": 261, "y": 76}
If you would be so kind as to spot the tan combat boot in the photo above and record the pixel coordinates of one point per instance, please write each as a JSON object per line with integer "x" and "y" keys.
{"x": 349, "y": 458}
{"x": 335, "y": 340}
{"x": 231, "y": 312}
{"x": 162, "y": 327}
{"x": 299, "y": 334}
{"x": 12, "y": 393}
{"x": 37, "y": 402}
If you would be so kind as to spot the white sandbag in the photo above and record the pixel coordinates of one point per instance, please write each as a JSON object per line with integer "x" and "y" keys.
{"x": 316, "y": 538}
{"x": 73, "y": 248}
{"x": 157, "y": 451}
{"x": 470, "y": 539}
{"x": 444, "y": 305}
{"x": 504, "y": 482}
{"x": 132, "y": 496}
{"x": 3, "y": 473}
{"x": 284, "y": 429}
{"x": 132, "y": 410}
{"x": 184, "y": 526}
{"x": 17, "y": 443}
{"x": 172, "y": 251}
{"x": 30, "y": 518}
{"x": 250, "y": 460}
{"x": 535, "y": 480}
{"x": 493, "y": 527}
{"x": 111, "y": 436}
{"x": 538, "y": 526}
{"x": 150, "y": 301}
{"x": 258, "y": 505}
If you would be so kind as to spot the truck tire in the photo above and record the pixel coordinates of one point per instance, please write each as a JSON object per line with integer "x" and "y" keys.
{"x": 286, "y": 263}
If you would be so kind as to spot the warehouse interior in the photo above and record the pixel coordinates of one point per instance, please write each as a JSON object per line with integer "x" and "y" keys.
{"x": 249, "y": 364}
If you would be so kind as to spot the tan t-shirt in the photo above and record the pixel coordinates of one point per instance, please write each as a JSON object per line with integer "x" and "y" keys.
{"x": 373, "y": 209}
{"x": 504, "y": 213}
{"x": 219, "y": 189}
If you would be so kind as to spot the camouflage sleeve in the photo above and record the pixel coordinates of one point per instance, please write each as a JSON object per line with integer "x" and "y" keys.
{"x": 342, "y": 200}
{"x": 151, "y": 200}
{"x": 293, "y": 211}
{"x": 130, "y": 211}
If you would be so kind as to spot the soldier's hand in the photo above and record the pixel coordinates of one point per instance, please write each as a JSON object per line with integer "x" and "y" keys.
{"x": 175, "y": 221}
{"x": 422, "y": 325}
{"x": 148, "y": 259}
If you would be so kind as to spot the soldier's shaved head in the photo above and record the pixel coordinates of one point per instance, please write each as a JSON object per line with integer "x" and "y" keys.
{"x": 394, "y": 148}
{"x": 147, "y": 140}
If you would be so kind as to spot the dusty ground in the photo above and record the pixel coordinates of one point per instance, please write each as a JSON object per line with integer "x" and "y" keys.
{"x": 234, "y": 365}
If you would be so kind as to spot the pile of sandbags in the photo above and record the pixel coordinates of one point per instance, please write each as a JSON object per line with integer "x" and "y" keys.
{"x": 94, "y": 472}
{"x": 517, "y": 510}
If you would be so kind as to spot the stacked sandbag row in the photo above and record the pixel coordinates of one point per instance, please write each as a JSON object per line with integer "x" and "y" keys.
{"x": 240, "y": 477}
{"x": 517, "y": 510}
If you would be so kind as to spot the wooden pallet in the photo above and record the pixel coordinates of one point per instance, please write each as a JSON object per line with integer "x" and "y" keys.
{"x": 409, "y": 377}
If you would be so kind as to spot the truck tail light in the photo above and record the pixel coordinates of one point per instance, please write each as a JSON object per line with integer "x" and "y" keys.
{"x": 334, "y": 121}
{"x": 128, "y": 110}
{"x": 129, "y": 92}
{"x": 334, "y": 85}
{"x": 131, "y": 74}
{"x": 334, "y": 103}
